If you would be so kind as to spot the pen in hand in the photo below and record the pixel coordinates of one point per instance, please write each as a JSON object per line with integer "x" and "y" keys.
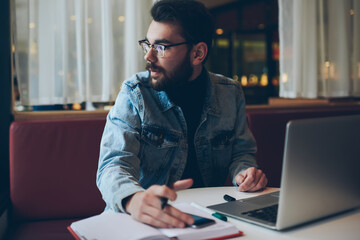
{"x": 164, "y": 200}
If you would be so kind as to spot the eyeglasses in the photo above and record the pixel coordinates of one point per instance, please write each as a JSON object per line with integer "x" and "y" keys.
{"x": 158, "y": 48}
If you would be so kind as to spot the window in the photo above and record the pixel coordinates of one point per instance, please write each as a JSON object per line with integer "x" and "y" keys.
{"x": 72, "y": 53}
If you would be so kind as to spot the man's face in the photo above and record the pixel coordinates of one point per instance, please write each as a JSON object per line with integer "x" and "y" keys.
{"x": 174, "y": 68}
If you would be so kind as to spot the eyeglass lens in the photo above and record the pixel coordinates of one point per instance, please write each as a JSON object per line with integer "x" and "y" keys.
{"x": 159, "y": 49}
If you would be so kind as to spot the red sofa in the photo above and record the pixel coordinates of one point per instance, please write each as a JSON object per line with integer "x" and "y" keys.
{"x": 52, "y": 176}
{"x": 53, "y": 167}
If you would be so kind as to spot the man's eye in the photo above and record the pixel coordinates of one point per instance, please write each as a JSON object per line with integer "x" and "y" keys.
{"x": 159, "y": 47}
{"x": 145, "y": 45}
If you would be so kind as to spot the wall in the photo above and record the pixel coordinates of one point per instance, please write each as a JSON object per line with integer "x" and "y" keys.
{"x": 5, "y": 113}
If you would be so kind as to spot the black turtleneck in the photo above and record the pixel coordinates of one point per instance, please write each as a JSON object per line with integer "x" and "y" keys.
{"x": 190, "y": 98}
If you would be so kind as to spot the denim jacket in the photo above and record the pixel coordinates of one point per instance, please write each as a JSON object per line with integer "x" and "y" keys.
{"x": 145, "y": 139}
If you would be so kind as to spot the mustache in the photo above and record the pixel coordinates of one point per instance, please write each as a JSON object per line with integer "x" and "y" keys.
{"x": 151, "y": 65}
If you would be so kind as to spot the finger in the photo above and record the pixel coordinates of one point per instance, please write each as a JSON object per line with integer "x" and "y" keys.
{"x": 248, "y": 172}
{"x": 148, "y": 198}
{"x": 239, "y": 179}
{"x": 150, "y": 220}
{"x": 179, "y": 215}
{"x": 261, "y": 184}
{"x": 182, "y": 184}
{"x": 170, "y": 217}
{"x": 251, "y": 180}
{"x": 162, "y": 192}
{"x": 148, "y": 210}
{"x": 248, "y": 181}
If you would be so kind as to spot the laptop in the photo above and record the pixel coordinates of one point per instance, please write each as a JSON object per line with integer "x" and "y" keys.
{"x": 320, "y": 176}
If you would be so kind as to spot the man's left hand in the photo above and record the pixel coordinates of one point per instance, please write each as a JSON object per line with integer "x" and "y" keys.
{"x": 251, "y": 180}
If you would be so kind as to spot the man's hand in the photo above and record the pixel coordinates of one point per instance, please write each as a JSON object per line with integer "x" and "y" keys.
{"x": 251, "y": 180}
{"x": 146, "y": 206}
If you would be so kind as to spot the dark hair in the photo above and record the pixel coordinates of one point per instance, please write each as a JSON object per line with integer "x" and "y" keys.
{"x": 195, "y": 20}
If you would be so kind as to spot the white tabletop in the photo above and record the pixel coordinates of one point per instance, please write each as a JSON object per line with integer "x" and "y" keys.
{"x": 343, "y": 226}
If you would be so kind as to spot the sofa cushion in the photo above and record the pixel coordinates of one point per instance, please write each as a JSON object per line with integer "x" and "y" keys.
{"x": 41, "y": 230}
{"x": 53, "y": 168}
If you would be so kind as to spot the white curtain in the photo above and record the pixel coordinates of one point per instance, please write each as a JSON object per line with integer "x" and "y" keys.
{"x": 77, "y": 50}
{"x": 319, "y": 48}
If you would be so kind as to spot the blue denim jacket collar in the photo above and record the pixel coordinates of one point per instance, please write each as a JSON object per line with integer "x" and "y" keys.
{"x": 212, "y": 99}
{"x": 164, "y": 101}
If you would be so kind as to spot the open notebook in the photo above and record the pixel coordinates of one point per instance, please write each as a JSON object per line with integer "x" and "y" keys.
{"x": 114, "y": 226}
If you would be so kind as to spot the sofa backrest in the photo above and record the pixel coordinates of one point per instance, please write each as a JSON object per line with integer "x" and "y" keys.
{"x": 268, "y": 128}
{"x": 53, "y": 168}
{"x": 53, "y": 163}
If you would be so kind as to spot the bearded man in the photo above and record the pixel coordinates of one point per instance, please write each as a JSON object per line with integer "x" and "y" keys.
{"x": 176, "y": 125}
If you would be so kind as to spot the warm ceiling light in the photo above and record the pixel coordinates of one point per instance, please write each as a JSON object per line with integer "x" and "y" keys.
{"x": 244, "y": 80}
{"x": 264, "y": 81}
{"x": 219, "y": 31}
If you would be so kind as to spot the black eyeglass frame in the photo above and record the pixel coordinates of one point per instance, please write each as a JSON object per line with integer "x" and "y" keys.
{"x": 156, "y": 44}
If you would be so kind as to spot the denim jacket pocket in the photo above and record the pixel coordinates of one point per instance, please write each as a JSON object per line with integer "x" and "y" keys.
{"x": 222, "y": 140}
{"x": 158, "y": 146}
{"x": 221, "y": 146}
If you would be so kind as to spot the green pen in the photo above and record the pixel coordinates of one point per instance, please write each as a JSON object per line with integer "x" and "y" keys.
{"x": 219, "y": 216}
{"x": 215, "y": 214}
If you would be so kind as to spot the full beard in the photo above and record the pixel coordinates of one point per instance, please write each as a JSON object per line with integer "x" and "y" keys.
{"x": 172, "y": 80}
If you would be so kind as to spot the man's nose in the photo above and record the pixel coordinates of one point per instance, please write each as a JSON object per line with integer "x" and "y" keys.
{"x": 150, "y": 56}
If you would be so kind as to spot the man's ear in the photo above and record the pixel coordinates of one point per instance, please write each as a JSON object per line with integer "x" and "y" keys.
{"x": 199, "y": 53}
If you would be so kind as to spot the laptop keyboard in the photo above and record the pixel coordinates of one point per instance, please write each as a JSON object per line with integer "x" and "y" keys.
{"x": 268, "y": 214}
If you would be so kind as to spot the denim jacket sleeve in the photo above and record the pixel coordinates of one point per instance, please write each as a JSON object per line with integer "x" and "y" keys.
{"x": 244, "y": 147}
{"x": 118, "y": 169}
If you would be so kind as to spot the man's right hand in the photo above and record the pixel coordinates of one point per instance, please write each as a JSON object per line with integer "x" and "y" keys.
{"x": 145, "y": 206}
